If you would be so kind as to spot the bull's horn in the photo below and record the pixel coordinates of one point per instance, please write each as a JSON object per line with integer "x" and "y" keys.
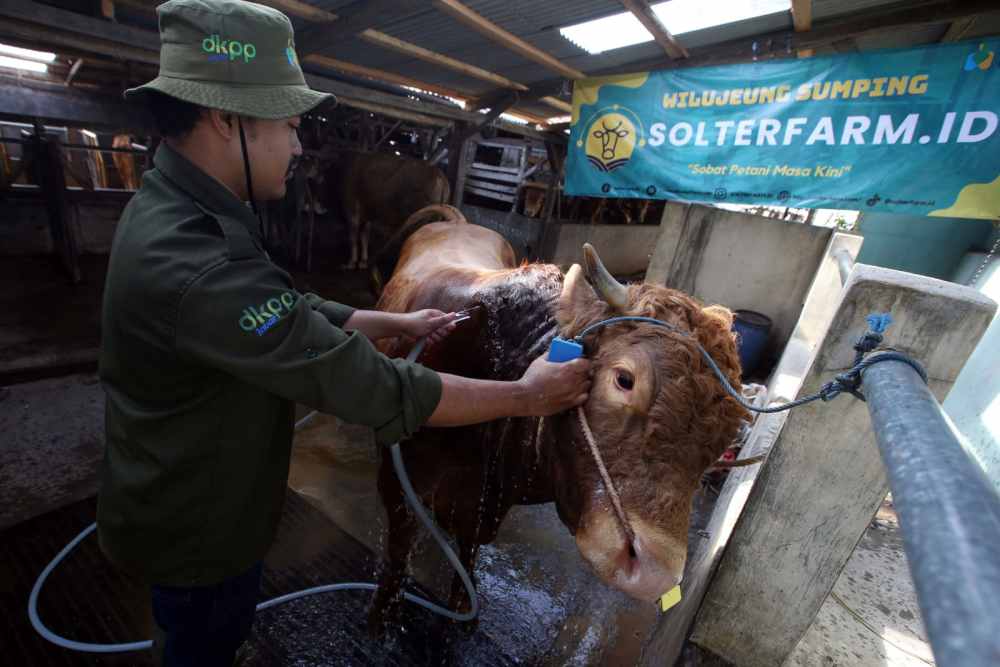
{"x": 609, "y": 289}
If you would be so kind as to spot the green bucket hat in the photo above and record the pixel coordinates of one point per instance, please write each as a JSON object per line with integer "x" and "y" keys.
{"x": 230, "y": 55}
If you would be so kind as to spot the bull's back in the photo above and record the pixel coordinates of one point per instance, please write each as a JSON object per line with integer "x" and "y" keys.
{"x": 443, "y": 262}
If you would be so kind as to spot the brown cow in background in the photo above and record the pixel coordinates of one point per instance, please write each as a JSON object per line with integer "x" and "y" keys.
{"x": 377, "y": 192}
{"x": 125, "y": 162}
{"x": 659, "y": 416}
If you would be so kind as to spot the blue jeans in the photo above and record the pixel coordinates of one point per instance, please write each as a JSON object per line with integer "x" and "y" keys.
{"x": 204, "y": 625}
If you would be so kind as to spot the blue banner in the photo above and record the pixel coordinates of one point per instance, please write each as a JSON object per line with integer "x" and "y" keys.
{"x": 904, "y": 131}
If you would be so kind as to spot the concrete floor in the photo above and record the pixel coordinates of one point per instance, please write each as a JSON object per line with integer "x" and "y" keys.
{"x": 871, "y": 618}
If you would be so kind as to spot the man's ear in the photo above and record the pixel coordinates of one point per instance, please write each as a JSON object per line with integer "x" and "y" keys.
{"x": 223, "y": 122}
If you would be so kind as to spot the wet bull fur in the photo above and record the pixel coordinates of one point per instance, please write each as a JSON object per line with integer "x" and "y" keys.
{"x": 659, "y": 416}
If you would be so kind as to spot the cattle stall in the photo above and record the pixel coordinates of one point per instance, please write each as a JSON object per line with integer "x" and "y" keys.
{"x": 469, "y": 104}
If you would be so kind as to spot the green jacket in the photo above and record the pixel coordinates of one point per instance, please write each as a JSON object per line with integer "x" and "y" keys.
{"x": 206, "y": 348}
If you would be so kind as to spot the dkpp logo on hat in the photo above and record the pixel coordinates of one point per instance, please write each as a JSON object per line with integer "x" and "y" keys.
{"x": 227, "y": 49}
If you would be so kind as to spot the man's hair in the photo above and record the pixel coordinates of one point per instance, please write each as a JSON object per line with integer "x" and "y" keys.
{"x": 173, "y": 118}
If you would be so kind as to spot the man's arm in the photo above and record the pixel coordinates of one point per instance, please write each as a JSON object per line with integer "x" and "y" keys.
{"x": 245, "y": 319}
{"x": 544, "y": 389}
{"x": 375, "y": 324}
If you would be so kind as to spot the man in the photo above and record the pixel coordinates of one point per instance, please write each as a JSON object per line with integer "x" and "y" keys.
{"x": 207, "y": 346}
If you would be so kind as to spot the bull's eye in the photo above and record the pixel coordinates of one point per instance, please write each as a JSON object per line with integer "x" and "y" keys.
{"x": 624, "y": 380}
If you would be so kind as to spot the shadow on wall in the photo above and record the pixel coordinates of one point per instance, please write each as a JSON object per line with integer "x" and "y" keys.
{"x": 927, "y": 246}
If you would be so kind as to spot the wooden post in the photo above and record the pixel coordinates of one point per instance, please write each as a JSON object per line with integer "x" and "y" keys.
{"x": 823, "y": 479}
{"x": 556, "y": 164}
{"x": 458, "y": 162}
{"x": 522, "y": 167}
{"x": 50, "y": 177}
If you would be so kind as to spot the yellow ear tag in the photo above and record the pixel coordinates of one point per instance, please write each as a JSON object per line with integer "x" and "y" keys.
{"x": 670, "y": 598}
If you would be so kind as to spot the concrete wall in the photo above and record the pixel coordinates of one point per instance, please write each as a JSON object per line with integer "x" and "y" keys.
{"x": 740, "y": 261}
{"x": 821, "y": 483}
{"x": 974, "y": 401}
{"x": 927, "y": 246}
{"x": 624, "y": 249}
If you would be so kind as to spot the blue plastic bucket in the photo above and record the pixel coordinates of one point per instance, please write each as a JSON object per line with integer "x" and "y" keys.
{"x": 752, "y": 329}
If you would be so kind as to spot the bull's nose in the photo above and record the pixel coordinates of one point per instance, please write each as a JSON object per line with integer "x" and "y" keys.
{"x": 640, "y": 574}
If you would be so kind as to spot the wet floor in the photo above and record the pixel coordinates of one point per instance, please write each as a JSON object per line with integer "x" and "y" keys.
{"x": 541, "y": 606}
{"x": 540, "y": 601}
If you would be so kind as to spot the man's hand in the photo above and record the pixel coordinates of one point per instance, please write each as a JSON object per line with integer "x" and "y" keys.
{"x": 434, "y": 324}
{"x": 555, "y": 387}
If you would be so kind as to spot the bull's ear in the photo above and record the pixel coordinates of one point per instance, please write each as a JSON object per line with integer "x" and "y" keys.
{"x": 578, "y": 303}
{"x": 716, "y": 336}
{"x": 721, "y": 313}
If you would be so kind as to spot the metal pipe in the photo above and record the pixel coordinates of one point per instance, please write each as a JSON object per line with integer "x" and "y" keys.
{"x": 81, "y": 147}
{"x": 844, "y": 264}
{"x": 949, "y": 513}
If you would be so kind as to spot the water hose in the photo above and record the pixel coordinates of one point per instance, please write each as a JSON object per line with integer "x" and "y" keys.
{"x": 411, "y": 498}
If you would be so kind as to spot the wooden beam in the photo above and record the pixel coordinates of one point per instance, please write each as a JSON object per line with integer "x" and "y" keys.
{"x": 352, "y": 20}
{"x": 62, "y": 105}
{"x": 527, "y": 115}
{"x": 296, "y": 8}
{"x": 558, "y": 104}
{"x": 392, "y": 112}
{"x": 651, "y": 22}
{"x": 958, "y": 29}
{"x": 28, "y": 22}
{"x": 78, "y": 24}
{"x": 346, "y": 90}
{"x": 303, "y": 10}
{"x": 506, "y": 39}
{"x": 802, "y": 15}
{"x": 414, "y": 51}
{"x": 802, "y": 20}
{"x": 382, "y": 75}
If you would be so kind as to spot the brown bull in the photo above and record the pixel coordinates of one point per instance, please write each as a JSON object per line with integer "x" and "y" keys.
{"x": 658, "y": 415}
{"x": 378, "y": 192}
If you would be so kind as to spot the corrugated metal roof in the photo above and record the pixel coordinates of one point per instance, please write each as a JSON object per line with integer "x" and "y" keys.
{"x": 538, "y": 23}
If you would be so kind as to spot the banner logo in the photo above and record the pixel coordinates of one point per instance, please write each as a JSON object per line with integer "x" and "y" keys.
{"x": 981, "y": 59}
{"x": 612, "y": 137}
